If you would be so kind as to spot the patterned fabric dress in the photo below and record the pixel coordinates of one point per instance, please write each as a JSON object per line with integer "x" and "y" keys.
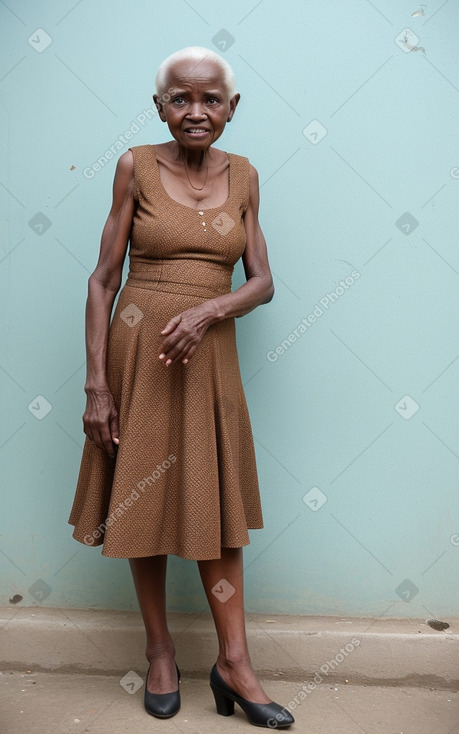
{"x": 184, "y": 480}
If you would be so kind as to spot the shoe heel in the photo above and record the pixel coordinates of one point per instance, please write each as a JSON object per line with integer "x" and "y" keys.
{"x": 225, "y": 706}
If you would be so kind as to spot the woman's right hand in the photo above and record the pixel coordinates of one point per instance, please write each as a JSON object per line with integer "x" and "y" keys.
{"x": 100, "y": 420}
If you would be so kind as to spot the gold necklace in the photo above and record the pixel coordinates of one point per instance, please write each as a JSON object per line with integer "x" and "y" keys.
{"x": 196, "y": 188}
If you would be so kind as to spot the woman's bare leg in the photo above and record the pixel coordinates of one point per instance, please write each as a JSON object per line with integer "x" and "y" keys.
{"x": 233, "y": 662}
{"x": 149, "y": 576}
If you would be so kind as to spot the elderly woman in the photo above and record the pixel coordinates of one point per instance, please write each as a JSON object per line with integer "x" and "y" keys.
{"x": 168, "y": 465}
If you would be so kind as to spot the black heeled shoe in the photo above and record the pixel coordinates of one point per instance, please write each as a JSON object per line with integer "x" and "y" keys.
{"x": 162, "y": 705}
{"x": 270, "y": 715}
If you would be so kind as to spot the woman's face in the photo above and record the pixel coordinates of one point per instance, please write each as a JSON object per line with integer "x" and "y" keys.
{"x": 199, "y": 106}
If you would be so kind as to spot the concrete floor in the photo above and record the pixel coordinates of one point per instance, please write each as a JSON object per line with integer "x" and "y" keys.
{"x": 64, "y": 703}
{"x": 65, "y": 671}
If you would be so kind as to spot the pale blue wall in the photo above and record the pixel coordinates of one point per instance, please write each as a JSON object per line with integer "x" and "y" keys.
{"x": 323, "y": 414}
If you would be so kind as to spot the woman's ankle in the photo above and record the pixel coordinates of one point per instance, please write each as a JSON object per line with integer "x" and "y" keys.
{"x": 233, "y": 659}
{"x": 157, "y": 650}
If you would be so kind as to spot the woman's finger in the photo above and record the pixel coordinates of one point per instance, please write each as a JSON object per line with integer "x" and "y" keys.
{"x": 170, "y": 326}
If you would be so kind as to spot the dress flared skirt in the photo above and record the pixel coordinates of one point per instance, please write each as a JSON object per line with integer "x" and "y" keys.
{"x": 184, "y": 480}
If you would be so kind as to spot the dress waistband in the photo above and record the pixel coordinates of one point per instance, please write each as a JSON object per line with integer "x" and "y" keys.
{"x": 187, "y": 276}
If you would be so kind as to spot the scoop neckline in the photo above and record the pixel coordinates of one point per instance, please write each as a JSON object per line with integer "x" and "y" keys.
{"x": 185, "y": 206}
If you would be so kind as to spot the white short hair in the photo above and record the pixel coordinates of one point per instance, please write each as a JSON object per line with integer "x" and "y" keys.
{"x": 195, "y": 53}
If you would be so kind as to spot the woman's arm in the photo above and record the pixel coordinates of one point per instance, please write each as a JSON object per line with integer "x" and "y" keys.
{"x": 259, "y": 287}
{"x": 101, "y": 418}
{"x": 184, "y": 332}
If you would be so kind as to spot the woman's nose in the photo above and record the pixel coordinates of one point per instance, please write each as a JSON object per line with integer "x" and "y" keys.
{"x": 196, "y": 110}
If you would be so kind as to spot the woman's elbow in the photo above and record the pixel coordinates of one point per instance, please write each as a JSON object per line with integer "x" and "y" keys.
{"x": 269, "y": 290}
{"x": 109, "y": 281}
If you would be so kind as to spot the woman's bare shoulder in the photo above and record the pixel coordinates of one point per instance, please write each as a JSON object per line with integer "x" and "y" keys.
{"x": 126, "y": 162}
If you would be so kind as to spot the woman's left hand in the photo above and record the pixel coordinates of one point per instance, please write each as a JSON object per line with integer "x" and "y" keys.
{"x": 184, "y": 332}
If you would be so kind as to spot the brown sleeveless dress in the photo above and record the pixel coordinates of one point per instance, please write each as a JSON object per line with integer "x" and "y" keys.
{"x": 184, "y": 480}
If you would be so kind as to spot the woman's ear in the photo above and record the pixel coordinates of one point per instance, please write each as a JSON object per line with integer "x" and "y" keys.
{"x": 233, "y": 104}
{"x": 160, "y": 107}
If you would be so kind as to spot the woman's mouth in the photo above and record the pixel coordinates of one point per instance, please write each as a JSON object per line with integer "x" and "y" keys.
{"x": 197, "y": 132}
